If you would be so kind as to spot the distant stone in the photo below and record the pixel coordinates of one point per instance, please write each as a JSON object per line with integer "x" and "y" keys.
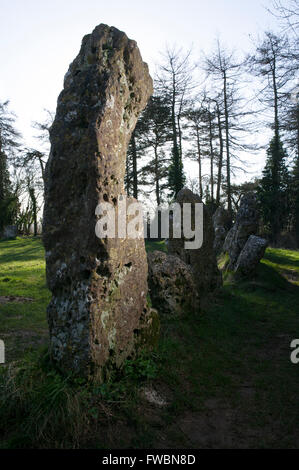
{"x": 98, "y": 312}
{"x": 202, "y": 260}
{"x": 222, "y": 223}
{"x": 251, "y": 255}
{"x": 246, "y": 224}
{"x": 10, "y": 232}
{"x": 171, "y": 283}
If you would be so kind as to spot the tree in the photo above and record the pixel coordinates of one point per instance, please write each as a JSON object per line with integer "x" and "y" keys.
{"x": 222, "y": 66}
{"x": 154, "y": 142}
{"x": 194, "y": 117}
{"x": 31, "y": 188}
{"x": 288, "y": 14}
{"x": 43, "y": 128}
{"x": 174, "y": 82}
{"x": 210, "y": 116}
{"x": 202, "y": 126}
{"x": 221, "y": 148}
{"x": 33, "y": 158}
{"x": 273, "y": 191}
{"x": 238, "y": 190}
{"x": 270, "y": 62}
{"x": 135, "y": 151}
{"x": 9, "y": 203}
{"x": 9, "y": 136}
{"x": 295, "y": 199}
{"x": 131, "y": 178}
{"x": 9, "y": 143}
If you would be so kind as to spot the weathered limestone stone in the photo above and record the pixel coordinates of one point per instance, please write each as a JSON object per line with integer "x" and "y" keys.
{"x": 251, "y": 255}
{"x": 202, "y": 260}
{"x": 10, "y": 232}
{"x": 99, "y": 286}
{"x": 171, "y": 283}
{"x": 222, "y": 223}
{"x": 246, "y": 224}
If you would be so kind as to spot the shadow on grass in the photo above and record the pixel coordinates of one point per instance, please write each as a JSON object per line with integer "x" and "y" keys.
{"x": 283, "y": 259}
{"x": 25, "y": 253}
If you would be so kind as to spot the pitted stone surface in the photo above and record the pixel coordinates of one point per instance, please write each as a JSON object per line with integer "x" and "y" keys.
{"x": 246, "y": 224}
{"x": 251, "y": 255}
{"x": 171, "y": 282}
{"x": 99, "y": 286}
{"x": 222, "y": 223}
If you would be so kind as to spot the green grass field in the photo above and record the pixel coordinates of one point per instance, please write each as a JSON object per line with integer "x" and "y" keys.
{"x": 22, "y": 274}
{"x": 224, "y": 374}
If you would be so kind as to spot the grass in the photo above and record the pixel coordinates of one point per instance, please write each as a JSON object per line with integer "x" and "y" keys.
{"x": 22, "y": 274}
{"x": 156, "y": 245}
{"x": 225, "y": 373}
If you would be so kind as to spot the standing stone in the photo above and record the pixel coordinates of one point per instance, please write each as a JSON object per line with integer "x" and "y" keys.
{"x": 171, "y": 282}
{"x": 10, "y": 232}
{"x": 246, "y": 224}
{"x": 99, "y": 286}
{"x": 251, "y": 255}
{"x": 202, "y": 260}
{"x": 222, "y": 223}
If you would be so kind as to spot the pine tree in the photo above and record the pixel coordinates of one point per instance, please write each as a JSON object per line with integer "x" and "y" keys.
{"x": 8, "y": 143}
{"x": 176, "y": 176}
{"x": 175, "y": 82}
{"x": 6, "y": 199}
{"x": 225, "y": 71}
{"x": 158, "y": 135}
{"x": 273, "y": 190}
{"x": 295, "y": 198}
{"x": 134, "y": 153}
{"x": 150, "y": 142}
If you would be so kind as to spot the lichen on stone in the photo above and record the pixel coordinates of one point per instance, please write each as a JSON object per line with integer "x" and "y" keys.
{"x": 99, "y": 286}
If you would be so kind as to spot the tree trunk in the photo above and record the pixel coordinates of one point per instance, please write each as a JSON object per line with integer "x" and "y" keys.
{"x": 34, "y": 209}
{"x": 229, "y": 199}
{"x": 199, "y": 164}
{"x": 176, "y": 154}
{"x": 220, "y": 163}
{"x": 134, "y": 162}
{"x": 211, "y": 158}
{"x": 180, "y": 140}
{"x": 42, "y": 169}
{"x": 276, "y": 121}
{"x": 157, "y": 178}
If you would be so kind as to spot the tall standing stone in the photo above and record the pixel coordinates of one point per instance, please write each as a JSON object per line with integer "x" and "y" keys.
{"x": 99, "y": 286}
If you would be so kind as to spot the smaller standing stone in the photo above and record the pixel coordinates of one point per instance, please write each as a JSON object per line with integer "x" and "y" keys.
{"x": 222, "y": 223}
{"x": 171, "y": 283}
{"x": 251, "y": 255}
{"x": 246, "y": 224}
{"x": 10, "y": 232}
{"x": 202, "y": 260}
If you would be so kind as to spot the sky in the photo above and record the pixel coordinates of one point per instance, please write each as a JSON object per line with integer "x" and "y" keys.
{"x": 39, "y": 39}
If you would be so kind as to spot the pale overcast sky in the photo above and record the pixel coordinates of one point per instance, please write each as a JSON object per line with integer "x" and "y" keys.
{"x": 39, "y": 38}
